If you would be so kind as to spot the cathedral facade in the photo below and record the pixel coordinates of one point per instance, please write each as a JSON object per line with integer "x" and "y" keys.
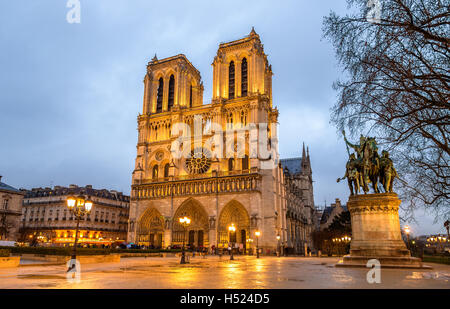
{"x": 216, "y": 163}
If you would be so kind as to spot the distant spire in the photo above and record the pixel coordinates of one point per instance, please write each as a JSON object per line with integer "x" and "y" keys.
{"x": 155, "y": 58}
{"x": 303, "y": 152}
{"x": 253, "y": 32}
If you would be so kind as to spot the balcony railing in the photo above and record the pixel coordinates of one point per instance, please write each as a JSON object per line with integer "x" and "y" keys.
{"x": 188, "y": 185}
{"x": 10, "y": 212}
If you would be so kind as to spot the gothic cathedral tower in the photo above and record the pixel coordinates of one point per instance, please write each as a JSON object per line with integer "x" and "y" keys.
{"x": 215, "y": 163}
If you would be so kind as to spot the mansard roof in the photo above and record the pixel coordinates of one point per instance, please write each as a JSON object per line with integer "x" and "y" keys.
{"x": 75, "y": 190}
{"x": 8, "y": 188}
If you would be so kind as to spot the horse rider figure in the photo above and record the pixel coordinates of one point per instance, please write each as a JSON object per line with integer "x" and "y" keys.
{"x": 369, "y": 161}
{"x": 387, "y": 172}
{"x": 352, "y": 174}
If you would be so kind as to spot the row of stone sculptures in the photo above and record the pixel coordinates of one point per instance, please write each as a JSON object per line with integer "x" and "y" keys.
{"x": 368, "y": 167}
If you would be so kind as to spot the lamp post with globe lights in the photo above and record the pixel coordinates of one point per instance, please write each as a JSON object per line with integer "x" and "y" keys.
{"x": 79, "y": 206}
{"x": 249, "y": 245}
{"x": 257, "y": 234}
{"x": 185, "y": 221}
{"x": 232, "y": 229}
{"x": 407, "y": 231}
{"x": 278, "y": 246}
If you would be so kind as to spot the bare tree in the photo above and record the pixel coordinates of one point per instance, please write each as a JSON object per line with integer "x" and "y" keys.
{"x": 396, "y": 87}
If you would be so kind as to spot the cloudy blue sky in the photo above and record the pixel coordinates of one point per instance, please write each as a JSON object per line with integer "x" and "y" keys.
{"x": 70, "y": 93}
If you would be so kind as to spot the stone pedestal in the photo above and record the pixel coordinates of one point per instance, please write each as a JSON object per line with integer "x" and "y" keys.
{"x": 376, "y": 232}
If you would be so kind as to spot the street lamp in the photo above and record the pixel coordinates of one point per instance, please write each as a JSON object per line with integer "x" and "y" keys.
{"x": 185, "y": 221}
{"x": 249, "y": 242}
{"x": 231, "y": 229}
{"x": 79, "y": 206}
{"x": 407, "y": 231}
{"x": 257, "y": 234}
{"x": 278, "y": 246}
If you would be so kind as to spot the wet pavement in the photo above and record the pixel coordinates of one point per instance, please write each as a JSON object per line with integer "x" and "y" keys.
{"x": 245, "y": 272}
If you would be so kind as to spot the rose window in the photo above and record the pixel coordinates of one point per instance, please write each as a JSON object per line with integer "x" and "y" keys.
{"x": 198, "y": 162}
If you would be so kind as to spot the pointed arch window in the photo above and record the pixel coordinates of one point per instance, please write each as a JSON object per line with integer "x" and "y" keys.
{"x": 190, "y": 97}
{"x": 230, "y": 121}
{"x": 245, "y": 163}
{"x": 155, "y": 172}
{"x": 159, "y": 99}
{"x": 244, "y": 77}
{"x": 230, "y": 164}
{"x": 166, "y": 170}
{"x": 243, "y": 119}
{"x": 171, "y": 92}
{"x": 231, "y": 77}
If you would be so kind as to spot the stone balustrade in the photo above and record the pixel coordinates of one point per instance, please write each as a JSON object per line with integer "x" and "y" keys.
{"x": 181, "y": 187}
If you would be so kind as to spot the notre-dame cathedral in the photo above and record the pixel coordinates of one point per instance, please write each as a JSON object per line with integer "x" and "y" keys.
{"x": 217, "y": 163}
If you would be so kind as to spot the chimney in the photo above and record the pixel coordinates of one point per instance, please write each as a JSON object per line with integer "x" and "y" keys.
{"x": 338, "y": 202}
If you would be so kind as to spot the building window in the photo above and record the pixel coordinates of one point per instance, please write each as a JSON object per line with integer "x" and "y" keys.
{"x": 230, "y": 121}
{"x": 244, "y": 78}
{"x": 155, "y": 172}
{"x": 230, "y": 164}
{"x": 190, "y": 97}
{"x": 159, "y": 99}
{"x": 231, "y": 75}
{"x": 243, "y": 119}
{"x": 166, "y": 170}
{"x": 171, "y": 91}
{"x": 245, "y": 163}
{"x": 5, "y": 204}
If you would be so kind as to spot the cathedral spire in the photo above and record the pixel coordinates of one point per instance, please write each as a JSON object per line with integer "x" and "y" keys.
{"x": 303, "y": 152}
{"x": 253, "y": 32}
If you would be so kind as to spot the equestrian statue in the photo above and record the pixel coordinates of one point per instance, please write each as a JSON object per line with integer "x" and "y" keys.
{"x": 367, "y": 167}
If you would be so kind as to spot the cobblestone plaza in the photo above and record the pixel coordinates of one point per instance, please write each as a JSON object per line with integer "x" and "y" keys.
{"x": 245, "y": 272}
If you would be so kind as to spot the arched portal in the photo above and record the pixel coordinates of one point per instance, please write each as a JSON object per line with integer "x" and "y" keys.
{"x": 234, "y": 213}
{"x": 196, "y": 233}
{"x": 151, "y": 228}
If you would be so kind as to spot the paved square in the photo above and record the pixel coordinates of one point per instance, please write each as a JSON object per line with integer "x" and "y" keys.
{"x": 245, "y": 272}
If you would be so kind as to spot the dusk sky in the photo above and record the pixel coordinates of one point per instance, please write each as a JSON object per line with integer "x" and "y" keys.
{"x": 70, "y": 93}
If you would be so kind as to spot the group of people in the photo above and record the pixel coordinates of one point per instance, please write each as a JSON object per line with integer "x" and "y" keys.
{"x": 367, "y": 166}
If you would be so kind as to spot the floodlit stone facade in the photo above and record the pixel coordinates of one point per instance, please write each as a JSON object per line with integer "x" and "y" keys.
{"x": 10, "y": 211}
{"x": 215, "y": 163}
{"x": 46, "y": 218}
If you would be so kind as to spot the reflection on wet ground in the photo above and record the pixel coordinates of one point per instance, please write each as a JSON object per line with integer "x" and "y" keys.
{"x": 213, "y": 272}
